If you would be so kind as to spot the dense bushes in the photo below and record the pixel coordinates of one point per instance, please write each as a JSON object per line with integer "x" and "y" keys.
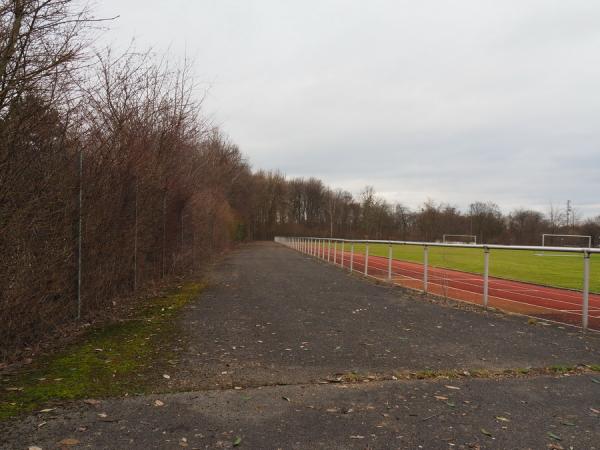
{"x": 156, "y": 192}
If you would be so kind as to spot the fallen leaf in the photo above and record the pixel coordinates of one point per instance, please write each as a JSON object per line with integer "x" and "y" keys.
{"x": 440, "y": 397}
{"x": 357, "y": 436}
{"x": 554, "y": 436}
{"x": 91, "y": 401}
{"x": 286, "y": 399}
{"x": 453, "y": 387}
{"x": 167, "y": 377}
{"x": 567, "y": 423}
{"x": 103, "y": 415}
{"x": 34, "y": 448}
{"x": 486, "y": 432}
{"x": 502, "y": 419}
{"x": 47, "y": 410}
{"x": 595, "y": 380}
{"x": 158, "y": 403}
{"x": 69, "y": 441}
{"x": 595, "y": 411}
{"x": 237, "y": 441}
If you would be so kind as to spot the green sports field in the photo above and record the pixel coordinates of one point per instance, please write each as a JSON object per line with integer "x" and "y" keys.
{"x": 546, "y": 268}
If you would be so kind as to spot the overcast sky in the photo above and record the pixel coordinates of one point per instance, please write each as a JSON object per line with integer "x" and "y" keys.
{"x": 455, "y": 101}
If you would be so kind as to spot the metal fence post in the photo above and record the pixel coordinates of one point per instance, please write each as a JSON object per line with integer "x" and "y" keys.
{"x": 586, "y": 291}
{"x": 351, "y": 256}
{"x": 328, "y": 250}
{"x": 390, "y": 262}
{"x": 425, "y": 267}
{"x": 334, "y": 253}
{"x": 367, "y": 258}
{"x": 79, "y": 232}
{"x": 342, "y": 262}
{"x": 486, "y": 275}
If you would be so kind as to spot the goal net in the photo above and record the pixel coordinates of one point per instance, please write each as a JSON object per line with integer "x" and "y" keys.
{"x": 459, "y": 239}
{"x": 566, "y": 240}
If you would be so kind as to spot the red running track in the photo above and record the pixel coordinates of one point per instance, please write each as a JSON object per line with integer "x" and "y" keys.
{"x": 548, "y": 303}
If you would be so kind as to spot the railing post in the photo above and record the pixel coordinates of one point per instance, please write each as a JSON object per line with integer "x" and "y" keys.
{"x": 351, "y": 256}
{"x": 328, "y": 250}
{"x": 334, "y": 253}
{"x": 425, "y": 267}
{"x": 390, "y": 262}
{"x": 486, "y": 275}
{"x": 367, "y": 259}
{"x": 586, "y": 290}
{"x": 343, "y": 242}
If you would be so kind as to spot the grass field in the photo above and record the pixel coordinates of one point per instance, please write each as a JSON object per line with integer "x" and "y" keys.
{"x": 550, "y": 269}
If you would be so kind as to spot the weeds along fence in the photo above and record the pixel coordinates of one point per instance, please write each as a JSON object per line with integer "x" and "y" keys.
{"x": 375, "y": 258}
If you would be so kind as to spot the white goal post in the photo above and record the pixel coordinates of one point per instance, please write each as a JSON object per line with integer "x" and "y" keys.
{"x": 459, "y": 239}
{"x": 566, "y": 240}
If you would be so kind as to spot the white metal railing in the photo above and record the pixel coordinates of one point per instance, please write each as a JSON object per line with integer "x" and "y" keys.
{"x": 320, "y": 247}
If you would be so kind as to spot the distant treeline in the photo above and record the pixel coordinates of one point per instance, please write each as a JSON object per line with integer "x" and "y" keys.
{"x": 308, "y": 207}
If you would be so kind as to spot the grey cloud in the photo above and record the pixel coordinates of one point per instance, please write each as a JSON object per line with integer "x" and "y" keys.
{"x": 455, "y": 101}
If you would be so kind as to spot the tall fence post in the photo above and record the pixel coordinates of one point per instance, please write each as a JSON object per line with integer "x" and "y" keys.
{"x": 135, "y": 238}
{"x": 425, "y": 267}
{"x": 79, "y": 233}
{"x": 486, "y": 275}
{"x": 342, "y": 262}
{"x": 586, "y": 291}
{"x": 334, "y": 253}
{"x": 351, "y": 256}
{"x": 367, "y": 258}
{"x": 328, "y": 250}
{"x": 390, "y": 262}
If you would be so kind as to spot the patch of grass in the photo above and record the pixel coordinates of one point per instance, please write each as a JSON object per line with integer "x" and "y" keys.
{"x": 352, "y": 377}
{"x": 561, "y": 369}
{"x": 547, "y": 268}
{"x": 116, "y": 360}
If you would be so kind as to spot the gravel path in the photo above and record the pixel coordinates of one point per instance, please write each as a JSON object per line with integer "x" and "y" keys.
{"x": 271, "y": 344}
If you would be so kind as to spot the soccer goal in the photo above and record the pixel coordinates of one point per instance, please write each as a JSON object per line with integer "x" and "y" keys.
{"x": 459, "y": 239}
{"x": 566, "y": 240}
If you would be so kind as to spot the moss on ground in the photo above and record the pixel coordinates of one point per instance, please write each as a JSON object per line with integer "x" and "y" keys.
{"x": 119, "y": 359}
